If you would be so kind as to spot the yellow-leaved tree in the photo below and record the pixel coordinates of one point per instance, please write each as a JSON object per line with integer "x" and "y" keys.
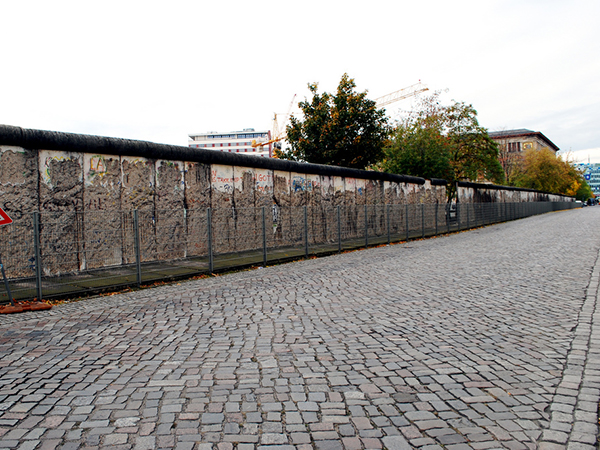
{"x": 544, "y": 171}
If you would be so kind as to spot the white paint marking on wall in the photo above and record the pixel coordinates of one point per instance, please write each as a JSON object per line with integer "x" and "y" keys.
{"x": 338, "y": 184}
{"x": 238, "y": 177}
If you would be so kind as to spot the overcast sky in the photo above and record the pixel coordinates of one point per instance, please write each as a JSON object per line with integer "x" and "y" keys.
{"x": 158, "y": 71}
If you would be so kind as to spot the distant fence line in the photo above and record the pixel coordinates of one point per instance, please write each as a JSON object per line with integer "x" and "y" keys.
{"x": 58, "y": 254}
{"x": 92, "y": 212}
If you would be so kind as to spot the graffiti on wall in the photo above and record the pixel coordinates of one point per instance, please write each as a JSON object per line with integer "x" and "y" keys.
{"x": 298, "y": 183}
{"x": 94, "y": 168}
{"x": 222, "y": 179}
{"x": 263, "y": 180}
{"x": 350, "y": 184}
{"x": 49, "y": 157}
{"x": 361, "y": 186}
{"x": 132, "y": 168}
{"x": 313, "y": 182}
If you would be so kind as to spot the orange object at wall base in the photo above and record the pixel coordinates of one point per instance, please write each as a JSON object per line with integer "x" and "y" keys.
{"x": 22, "y": 307}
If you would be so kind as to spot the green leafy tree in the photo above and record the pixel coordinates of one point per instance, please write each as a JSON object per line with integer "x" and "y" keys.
{"x": 436, "y": 141}
{"x": 418, "y": 151}
{"x": 544, "y": 171}
{"x": 345, "y": 129}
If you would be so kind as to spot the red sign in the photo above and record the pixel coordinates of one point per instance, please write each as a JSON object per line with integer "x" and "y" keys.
{"x": 4, "y": 219}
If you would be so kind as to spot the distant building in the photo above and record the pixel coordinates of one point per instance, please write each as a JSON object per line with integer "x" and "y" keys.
{"x": 591, "y": 173}
{"x": 234, "y": 142}
{"x": 518, "y": 141}
{"x": 514, "y": 143}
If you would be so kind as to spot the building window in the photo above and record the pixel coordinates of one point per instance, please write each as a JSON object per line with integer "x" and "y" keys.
{"x": 514, "y": 147}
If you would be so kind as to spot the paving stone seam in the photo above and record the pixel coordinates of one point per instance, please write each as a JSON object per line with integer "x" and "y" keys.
{"x": 584, "y": 375}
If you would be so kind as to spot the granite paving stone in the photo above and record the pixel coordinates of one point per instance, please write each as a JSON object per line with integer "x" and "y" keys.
{"x": 484, "y": 339}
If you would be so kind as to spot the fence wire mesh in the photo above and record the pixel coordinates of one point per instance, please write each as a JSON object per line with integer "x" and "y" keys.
{"x": 59, "y": 254}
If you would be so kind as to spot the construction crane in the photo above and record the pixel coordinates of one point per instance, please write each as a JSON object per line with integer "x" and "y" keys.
{"x": 401, "y": 94}
{"x": 278, "y": 128}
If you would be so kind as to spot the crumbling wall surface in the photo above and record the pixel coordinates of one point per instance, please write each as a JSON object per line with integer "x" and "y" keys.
{"x": 102, "y": 213}
{"x": 328, "y": 209}
{"x": 316, "y": 223}
{"x": 170, "y": 210}
{"x": 282, "y": 217}
{"x": 349, "y": 216}
{"x": 19, "y": 194}
{"x": 223, "y": 211}
{"x": 197, "y": 200}
{"x": 440, "y": 198}
{"x": 361, "y": 201}
{"x": 139, "y": 179}
{"x": 338, "y": 190}
{"x": 393, "y": 210}
{"x": 413, "y": 217}
{"x": 298, "y": 200}
{"x": 61, "y": 203}
{"x": 248, "y": 219}
{"x": 263, "y": 188}
{"x": 137, "y": 193}
{"x": 86, "y": 187}
{"x": 377, "y": 222}
{"x": 264, "y": 198}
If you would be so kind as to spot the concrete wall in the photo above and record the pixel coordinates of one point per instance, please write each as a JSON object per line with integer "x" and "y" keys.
{"x": 87, "y": 187}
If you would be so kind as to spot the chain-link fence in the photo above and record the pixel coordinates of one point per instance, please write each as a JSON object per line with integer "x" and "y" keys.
{"x": 60, "y": 254}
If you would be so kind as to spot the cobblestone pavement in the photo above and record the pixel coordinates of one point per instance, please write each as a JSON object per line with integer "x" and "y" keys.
{"x": 477, "y": 340}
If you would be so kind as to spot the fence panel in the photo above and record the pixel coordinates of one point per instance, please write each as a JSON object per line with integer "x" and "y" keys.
{"x": 71, "y": 253}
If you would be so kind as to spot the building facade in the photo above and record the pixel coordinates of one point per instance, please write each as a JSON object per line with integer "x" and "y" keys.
{"x": 521, "y": 140}
{"x": 245, "y": 142}
{"x": 591, "y": 174}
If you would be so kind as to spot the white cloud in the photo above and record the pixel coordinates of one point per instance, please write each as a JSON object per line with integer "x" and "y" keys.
{"x": 158, "y": 71}
{"x": 591, "y": 155}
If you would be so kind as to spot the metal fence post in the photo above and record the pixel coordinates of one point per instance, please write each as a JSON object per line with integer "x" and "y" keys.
{"x": 468, "y": 224}
{"x": 339, "y": 220}
{"x": 264, "y": 231}
{"x": 458, "y": 216}
{"x": 6, "y": 285}
{"x": 185, "y": 227}
{"x": 406, "y": 215}
{"x": 422, "y": 220}
{"x": 437, "y": 207}
{"x": 136, "y": 244}
{"x": 388, "y": 222}
{"x": 366, "y": 229}
{"x": 305, "y": 232}
{"x": 38, "y": 254}
{"x": 211, "y": 265}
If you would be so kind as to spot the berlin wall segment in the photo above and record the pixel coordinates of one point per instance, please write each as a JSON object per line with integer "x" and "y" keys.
{"x": 94, "y": 183}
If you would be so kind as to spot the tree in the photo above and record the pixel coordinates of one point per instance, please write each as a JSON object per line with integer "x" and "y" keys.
{"x": 436, "y": 141}
{"x": 418, "y": 151}
{"x": 544, "y": 171}
{"x": 345, "y": 129}
{"x": 509, "y": 158}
